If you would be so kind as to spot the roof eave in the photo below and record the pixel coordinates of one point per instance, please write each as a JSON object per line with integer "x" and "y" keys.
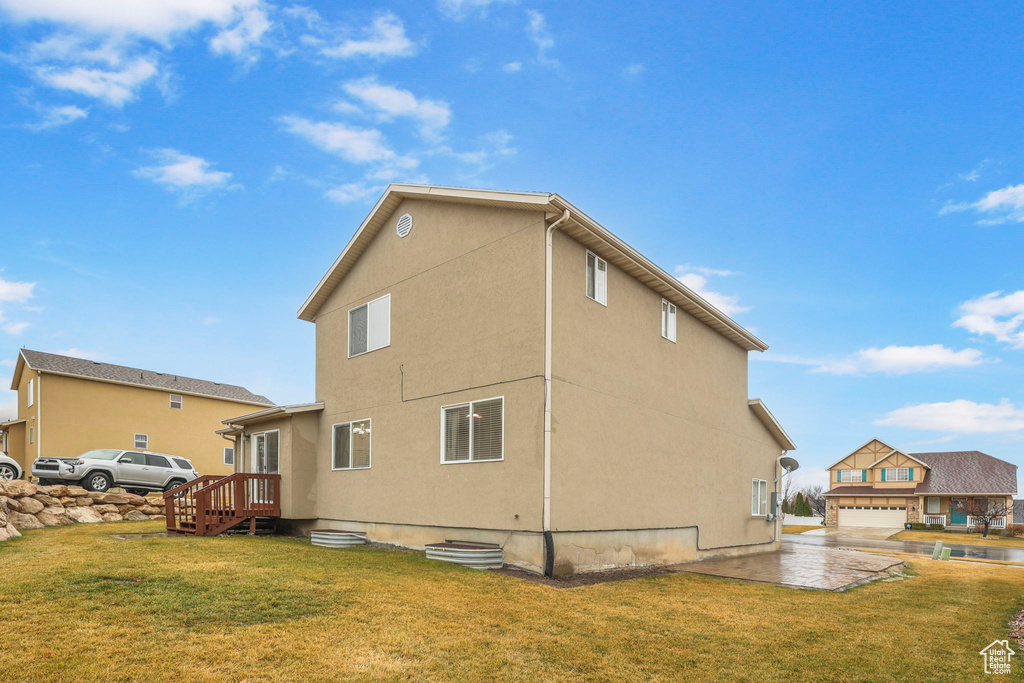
{"x": 773, "y": 426}
{"x": 272, "y": 412}
{"x": 174, "y": 390}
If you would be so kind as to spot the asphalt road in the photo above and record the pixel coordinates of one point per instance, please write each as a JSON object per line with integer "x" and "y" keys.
{"x": 915, "y": 547}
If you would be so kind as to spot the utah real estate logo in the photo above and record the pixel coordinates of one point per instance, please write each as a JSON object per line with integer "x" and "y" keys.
{"x": 997, "y": 657}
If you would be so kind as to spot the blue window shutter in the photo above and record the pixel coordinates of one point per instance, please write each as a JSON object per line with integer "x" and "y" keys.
{"x": 839, "y": 475}
{"x": 863, "y": 475}
{"x": 910, "y": 475}
{"x": 883, "y": 474}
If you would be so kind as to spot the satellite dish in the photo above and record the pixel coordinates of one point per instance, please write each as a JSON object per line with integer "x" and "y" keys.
{"x": 789, "y": 464}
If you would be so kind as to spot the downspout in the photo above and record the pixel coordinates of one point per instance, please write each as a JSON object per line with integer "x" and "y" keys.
{"x": 549, "y": 543}
{"x": 38, "y": 399}
{"x": 778, "y": 481}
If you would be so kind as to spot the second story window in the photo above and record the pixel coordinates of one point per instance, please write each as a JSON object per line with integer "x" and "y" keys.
{"x": 851, "y": 475}
{"x": 896, "y": 474}
{"x": 31, "y": 392}
{"x": 176, "y": 401}
{"x": 142, "y": 441}
{"x": 668, "y": 320}
{"x": 369, "y": 326}
{"x": 597, "y": 279}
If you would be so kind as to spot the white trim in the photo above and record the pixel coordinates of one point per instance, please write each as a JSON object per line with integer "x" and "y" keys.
{"x": 669, "y": 315}
{"x": 348, "y": 326}
{"x": 860, "y": 473}
{"x": 470, "y": 404}
{"x": 334, "y": 426}
{"x": 225, "y": 456}
{"x": 863, "y": 445}
{"x": 769, "y": 421}
{"x": 135, "y": 440}
{"x": 180, "y": 401}
{"x": 887, "y": 470}
{"x": 760, "y": 502}
{"x": 586, "y": 279}
{"x": 252, "y": 450}
{"x": 31, "y": 393}
{"x": 895, "y": 450}
{"x": 274, "y": 411}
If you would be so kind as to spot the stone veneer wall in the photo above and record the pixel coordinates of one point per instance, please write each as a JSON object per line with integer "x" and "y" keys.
{"x": 831, "y": 512}
{"x": 24, "y": 505}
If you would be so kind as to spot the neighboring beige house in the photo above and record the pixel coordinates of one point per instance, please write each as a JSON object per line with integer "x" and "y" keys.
{"x": 497, "y": 367}
{"x": 881, "y": 486}
{"x": 67, "y": 406}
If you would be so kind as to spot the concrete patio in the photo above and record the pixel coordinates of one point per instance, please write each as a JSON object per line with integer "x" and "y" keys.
{"x": 796, "y": 566}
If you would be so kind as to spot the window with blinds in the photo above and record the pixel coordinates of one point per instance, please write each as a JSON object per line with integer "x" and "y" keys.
{"x": 597, "y": 279}
{"x": 176, "y": 401}
{"x": 351, "y": 450}
{"x": 369, "y": 326}
{"x": 668, "y": 320}
{"x": 473, "y": 432}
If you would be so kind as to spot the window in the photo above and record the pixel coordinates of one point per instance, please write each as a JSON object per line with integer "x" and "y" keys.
{"x": 369, "y": 326}
{"x": 851, "y": 475}
{"x": 182, "y": 463}
{"x": 229, "y": 456}
{"x": 156, "y": 461}
{"x": 351, "y": 449}
{"x": 31, "y": 392}
{"x": 141, "y": 441}
{"x": 597, "y": 279}
{"x": 133, "y": 458}
{"x": 176, "y": 401}
{"x": 759, "y": 498}
{"x": 266, "y": 452}
{"x": 31, "y": 435}
{"x": 931, "y": 505}
{"x": 473, "y": 432}
{"x": 668, "y": 320}
{"x": 897, "y": 474}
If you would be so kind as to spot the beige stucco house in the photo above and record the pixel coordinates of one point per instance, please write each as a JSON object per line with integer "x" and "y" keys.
{"x": 67, "y": 406}
{"x": 880, "y": 486}
{"x": 497, "y": 367}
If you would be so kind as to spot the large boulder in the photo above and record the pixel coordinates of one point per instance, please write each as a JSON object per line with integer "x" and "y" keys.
{"x": 23, "y": 521}
{"x": 18, "y": 488}
{"x": 109, "y": 498}
{"x": 84, "y": 501}
{"x": 105, "y": 508}
{"x": 84, "y": 514}
{"x": 77, "y": 492}
{"x": 48, "y": 500}
{"x": 54, "y": 516}
{"x": 111, "y": 517}
{"x": 151, "y": 510}
{"x": 8, "y": 531}
{"x": 11, "y": 504}
{"x": 134, "y": 499}
{"x": 135, "y": 516}
{"x": 125, "y": 508}
{"x": 161, "y": 517}
{"x": 68, "y": 501}
{"x": 57, "y": 490}
{"x": 30, "y": 506}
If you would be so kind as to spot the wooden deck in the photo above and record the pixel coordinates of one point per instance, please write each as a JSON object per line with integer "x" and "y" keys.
{"x": 210, "y": 505}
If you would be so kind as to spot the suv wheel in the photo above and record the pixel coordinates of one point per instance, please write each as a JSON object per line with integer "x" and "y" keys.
{"x": 98, "y": 482}
{"x": 7, "y": 472}
{"x": 173, "y": 484}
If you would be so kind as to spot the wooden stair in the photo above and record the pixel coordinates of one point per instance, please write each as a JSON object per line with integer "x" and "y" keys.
{"x": 211, "y": 505}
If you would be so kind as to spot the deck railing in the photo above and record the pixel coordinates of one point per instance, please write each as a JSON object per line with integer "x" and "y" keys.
{"x": 209, "y": 505}
{"x": 935, "y": 519}
{"x": 997, "y": 523}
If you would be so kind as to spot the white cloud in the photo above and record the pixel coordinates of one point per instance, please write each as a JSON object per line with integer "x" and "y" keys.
{"x": 15, "y": 328}
{"x": 87, "y": 355}
{"x": 357, "y": 145}
{"x": 353, "y": 192}
{"x": 975, "y": 173}
{"x": 390, "y": 102}
{"x": 634, "y": 69}
{"x": 539, "y": 33}
{"x": 492, "y": 146}
{"x": 385, "y": 37}
{"x": 696, "y": 278}
{"x": 181, "y": 172}
{"x": 241, "y": 39}
{"x": 52, "y": 117}
{"x": 115, "y": 87}
{"x": 16, "y": 292}
{"x": 960, "y": 417}
{"x": 1001, "y": 316}
{"x": 1003, "y": 206}
{"x": 513, "y": 67}
{"x": 903, "y": 360}
{"x": 460, "y": 9}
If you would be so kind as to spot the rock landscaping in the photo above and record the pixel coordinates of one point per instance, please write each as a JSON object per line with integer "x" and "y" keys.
{"x": 24, "y": 505}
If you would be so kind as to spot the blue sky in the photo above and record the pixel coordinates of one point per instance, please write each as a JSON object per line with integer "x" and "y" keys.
{"x": 848, "y": 182}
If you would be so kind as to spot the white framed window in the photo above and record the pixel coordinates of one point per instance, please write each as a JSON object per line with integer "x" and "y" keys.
{"x": 31, "y": 392}
{"x": 851, "y": 475}
{"x": 759, "y": 498}
{"x": 31, "y": 435}
{"x": 142, "y": 441}
{"x": 229, "y": 455}
{"x": 897, "y": 474}
{"x": 369, "y": 326}
{"x": 473, "y": 432}
{"x": 176, "y": 401}
{"x": 668, "y": 320}
{"x": 931, "y": 505}
{"x": 597, "y": 279}
{"x": 350, "y": 445}
{"x": 266, "y": 452}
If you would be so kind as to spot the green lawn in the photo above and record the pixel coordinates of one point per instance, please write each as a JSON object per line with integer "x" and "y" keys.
{"x": 83, "y": 606}
{"x": 963, "y": 539}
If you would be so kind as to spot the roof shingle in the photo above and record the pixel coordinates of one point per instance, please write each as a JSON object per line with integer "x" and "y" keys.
{"x": 967, "y": 472}
{"x": 81, "y": 367}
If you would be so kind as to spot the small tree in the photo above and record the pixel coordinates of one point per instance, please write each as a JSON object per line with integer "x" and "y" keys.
{"x": 814, "y": 495}
{"x": 798, "y": 504}
{"x": 785, "y": 506}
{"x": 804, "y": 506}
{"x": 984, "y": 512}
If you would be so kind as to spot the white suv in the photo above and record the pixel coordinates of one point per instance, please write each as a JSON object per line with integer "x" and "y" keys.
{"x": 103, "y": 468}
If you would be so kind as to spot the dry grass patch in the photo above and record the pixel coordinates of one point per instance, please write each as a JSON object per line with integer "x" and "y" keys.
{"x": 84, "y": 606}
{"x": 962, "y": 539}
{"x": 799, "y": 529}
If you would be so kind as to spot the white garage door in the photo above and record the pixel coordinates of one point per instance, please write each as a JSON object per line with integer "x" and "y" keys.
{"x": 881, "y": 517}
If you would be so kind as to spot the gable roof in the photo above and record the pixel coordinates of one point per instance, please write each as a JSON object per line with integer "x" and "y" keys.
{"x": 894, "y": 451}
{"x": 861, "y": 447}
{"x": 580, "y": 227}
{"x": 771, "y": 424}
{"x": 119, "y": 374}
{"x": 967, "y": 472}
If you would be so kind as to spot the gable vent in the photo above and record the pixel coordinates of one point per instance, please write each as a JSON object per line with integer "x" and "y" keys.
{"x": 404, "y": 225}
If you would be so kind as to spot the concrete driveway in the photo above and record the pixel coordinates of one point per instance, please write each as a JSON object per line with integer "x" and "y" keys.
{"x": 848, "y": 532}
{"x": 850, "y": 541}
